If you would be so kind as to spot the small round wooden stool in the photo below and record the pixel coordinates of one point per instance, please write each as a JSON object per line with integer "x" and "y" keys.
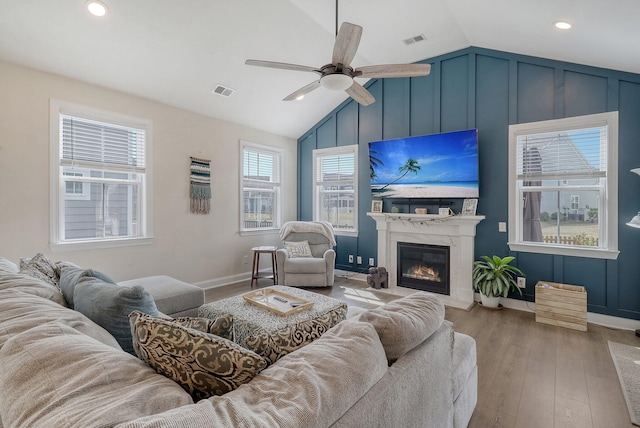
{"x": 255, "y": 270}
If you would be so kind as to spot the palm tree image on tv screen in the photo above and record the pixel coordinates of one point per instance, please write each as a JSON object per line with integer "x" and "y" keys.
{"x": 428, "y": 166}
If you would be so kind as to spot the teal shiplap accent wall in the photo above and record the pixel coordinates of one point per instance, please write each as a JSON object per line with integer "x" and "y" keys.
{"x": 488, "y": 90}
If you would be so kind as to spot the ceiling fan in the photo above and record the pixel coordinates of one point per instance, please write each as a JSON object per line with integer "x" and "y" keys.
{"x": 339, "y": 75}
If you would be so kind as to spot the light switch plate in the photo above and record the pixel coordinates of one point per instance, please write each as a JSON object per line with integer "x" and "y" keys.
{"x": 502, "y": 226}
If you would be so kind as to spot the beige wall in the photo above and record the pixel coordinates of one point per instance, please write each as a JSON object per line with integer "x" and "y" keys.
{"x": 204, "y": 249}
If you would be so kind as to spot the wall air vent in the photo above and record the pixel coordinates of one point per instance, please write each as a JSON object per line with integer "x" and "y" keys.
{"x": 223, "y": 91}
{"x": 414, "y": 39}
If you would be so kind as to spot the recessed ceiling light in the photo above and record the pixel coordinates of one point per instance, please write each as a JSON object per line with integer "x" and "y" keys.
{"x": 563, "y": 25}
{"x": 97, "y": 8}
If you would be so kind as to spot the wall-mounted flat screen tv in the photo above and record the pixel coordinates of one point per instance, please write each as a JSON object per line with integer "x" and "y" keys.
{"x": 428, "y": 166}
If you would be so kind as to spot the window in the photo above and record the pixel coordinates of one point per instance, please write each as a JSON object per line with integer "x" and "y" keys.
{"x": 335, "y": 192}
{"x": 99, "y": 177}
{"x": 563, "y": 186}
{"x": 261, "y": 187}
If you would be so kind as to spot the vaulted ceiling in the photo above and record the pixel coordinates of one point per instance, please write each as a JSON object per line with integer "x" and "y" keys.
{"x": 176, "y": 52}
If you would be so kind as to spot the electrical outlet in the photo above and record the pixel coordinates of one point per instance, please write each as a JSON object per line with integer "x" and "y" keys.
{"x": 350, "y": 258}
{"x": 522, "y": 282}
{"x": 371, "y": 261}
{"x": 359, "y": 260}
{"x": 245, "y": 260}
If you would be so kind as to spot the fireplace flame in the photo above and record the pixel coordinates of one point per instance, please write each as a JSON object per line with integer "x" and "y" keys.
{"x": 425, "y": 273}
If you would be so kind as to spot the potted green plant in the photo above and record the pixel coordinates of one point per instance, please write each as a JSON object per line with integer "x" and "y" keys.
{"x": 493, "y": 277}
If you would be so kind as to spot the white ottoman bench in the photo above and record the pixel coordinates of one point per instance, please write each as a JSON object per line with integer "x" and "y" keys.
{"x": 172, "y": 296}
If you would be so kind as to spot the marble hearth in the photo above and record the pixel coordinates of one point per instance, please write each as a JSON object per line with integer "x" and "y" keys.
{"x": 455, "y": 232}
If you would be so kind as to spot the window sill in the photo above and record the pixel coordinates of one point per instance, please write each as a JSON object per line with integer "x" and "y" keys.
{"x": 253, "y": 232}
{"x": 594, "y": 253}
{"x": 353, "y": 233}
{"x": 91, "y": 245}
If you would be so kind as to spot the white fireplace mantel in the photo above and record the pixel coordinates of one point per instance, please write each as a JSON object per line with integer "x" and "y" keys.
{"x": 455, "y": 232}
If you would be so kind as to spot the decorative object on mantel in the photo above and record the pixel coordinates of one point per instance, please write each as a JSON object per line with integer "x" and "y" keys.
{"x": 378, "y": 277}
{"x": 493, "y": 277}
{"x": 469, "y": 207}
{"x": 200, "y": 185}
{"x": 376, "y": 206}
{"x": 421, "y": 211}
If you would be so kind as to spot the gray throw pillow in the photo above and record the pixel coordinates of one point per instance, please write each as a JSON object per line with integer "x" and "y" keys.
{"x": 109, "y": 306}
{"x": 41, "y": 267}
{"x": 70, "y": 276}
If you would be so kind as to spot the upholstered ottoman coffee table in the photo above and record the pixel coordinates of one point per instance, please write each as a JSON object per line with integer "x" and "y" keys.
{"x": 272, "y": 335}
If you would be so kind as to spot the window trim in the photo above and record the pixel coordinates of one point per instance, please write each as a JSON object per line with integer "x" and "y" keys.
{"x": 277, "y": 224}
{"x": 57, "y": 108}
{"x": 332, "y": 151}
{"x": 610, "y": 192}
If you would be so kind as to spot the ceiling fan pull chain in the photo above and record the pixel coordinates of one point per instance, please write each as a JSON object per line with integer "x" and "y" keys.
{"x": 336, "y": 18}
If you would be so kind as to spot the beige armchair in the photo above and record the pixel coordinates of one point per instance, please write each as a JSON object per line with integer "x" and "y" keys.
{"x": 308, "y": 259}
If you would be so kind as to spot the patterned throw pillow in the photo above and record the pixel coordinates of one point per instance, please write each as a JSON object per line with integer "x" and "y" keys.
{"x": 273, "y": 345}
{"x": 298, "y": 249}
{"x": 39, "y": 266}
{"x": 221, "y": 326}
{"x": 203, "y": 364}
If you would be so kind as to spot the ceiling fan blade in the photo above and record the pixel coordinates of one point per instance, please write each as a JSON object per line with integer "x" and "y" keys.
{"x": 360, "y": 94}
{"x": 302, "y": 91}
{"x": 346, "y": 44}
{"x": 281, "y": 65}
{"x": 393, "y": 70}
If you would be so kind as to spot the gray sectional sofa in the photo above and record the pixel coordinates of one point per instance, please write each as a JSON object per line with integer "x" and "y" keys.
{"x": 400, "y": 365}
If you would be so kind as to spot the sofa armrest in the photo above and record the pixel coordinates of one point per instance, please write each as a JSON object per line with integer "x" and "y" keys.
{"x": 281, "y": 255}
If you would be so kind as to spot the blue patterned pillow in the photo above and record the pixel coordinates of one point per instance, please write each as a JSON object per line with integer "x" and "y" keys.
{"x": 70, "y": 276}
{"x": 109, "y": 306}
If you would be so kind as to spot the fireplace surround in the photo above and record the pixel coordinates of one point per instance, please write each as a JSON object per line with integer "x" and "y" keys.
{"x": 455, "y": 232}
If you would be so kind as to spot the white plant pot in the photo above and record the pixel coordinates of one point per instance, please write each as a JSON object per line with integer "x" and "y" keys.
{"x": 490, "y": 301}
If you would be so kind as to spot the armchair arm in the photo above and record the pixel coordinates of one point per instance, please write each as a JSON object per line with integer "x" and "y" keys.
{"x": 330, "y": 259}
{"x": 281, "y": 255}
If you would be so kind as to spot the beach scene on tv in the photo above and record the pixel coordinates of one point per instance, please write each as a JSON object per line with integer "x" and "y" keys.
{"x": 429, "y": 166}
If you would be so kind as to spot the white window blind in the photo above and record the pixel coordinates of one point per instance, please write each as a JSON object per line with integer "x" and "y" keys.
{"x": 87, "y": 142}
{"x": 581, "y": 153}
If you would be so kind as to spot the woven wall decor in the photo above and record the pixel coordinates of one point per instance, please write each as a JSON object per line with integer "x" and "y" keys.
{"x": 200, "y": 186}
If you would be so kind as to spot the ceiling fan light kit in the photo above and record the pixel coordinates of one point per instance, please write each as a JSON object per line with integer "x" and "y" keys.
{"x": 336, "y": 82}
{"x": 339, "y": 75}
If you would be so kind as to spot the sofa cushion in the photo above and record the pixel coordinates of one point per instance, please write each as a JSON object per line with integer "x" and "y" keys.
{"x": 203, "y": 364}
{"x": 70, "y": 276}
{"x": 39, "y": 266}
{"x": 31, "y": 285}
{"x": 272, "y": 345}
{"x": 311, "y": 387}
{"x": 109, "y": 306}
{"x": 7, "y": 266}
{"x": 298, "y": 249}
{"x": 406, "y": 322}
{"x": 172, "y": 296}
{"x": 55, "y": 376}
{"x": 20, "y": 311}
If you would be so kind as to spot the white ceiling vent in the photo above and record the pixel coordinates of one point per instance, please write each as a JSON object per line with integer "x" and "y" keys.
{"x": 223, "y": 91}
{"x": 414, "y": 39}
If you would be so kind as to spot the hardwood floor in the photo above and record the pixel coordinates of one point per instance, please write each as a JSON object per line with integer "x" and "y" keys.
{"x": 529, "y": 374}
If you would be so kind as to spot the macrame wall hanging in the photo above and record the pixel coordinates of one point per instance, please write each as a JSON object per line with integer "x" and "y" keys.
{"x": 200, "y": 186}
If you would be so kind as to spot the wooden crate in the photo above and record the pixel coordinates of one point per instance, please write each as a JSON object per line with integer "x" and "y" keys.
{"x": 562, "y": 305}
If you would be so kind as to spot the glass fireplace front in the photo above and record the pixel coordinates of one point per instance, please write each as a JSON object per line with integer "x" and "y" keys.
{"x": 423, "y": 267}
